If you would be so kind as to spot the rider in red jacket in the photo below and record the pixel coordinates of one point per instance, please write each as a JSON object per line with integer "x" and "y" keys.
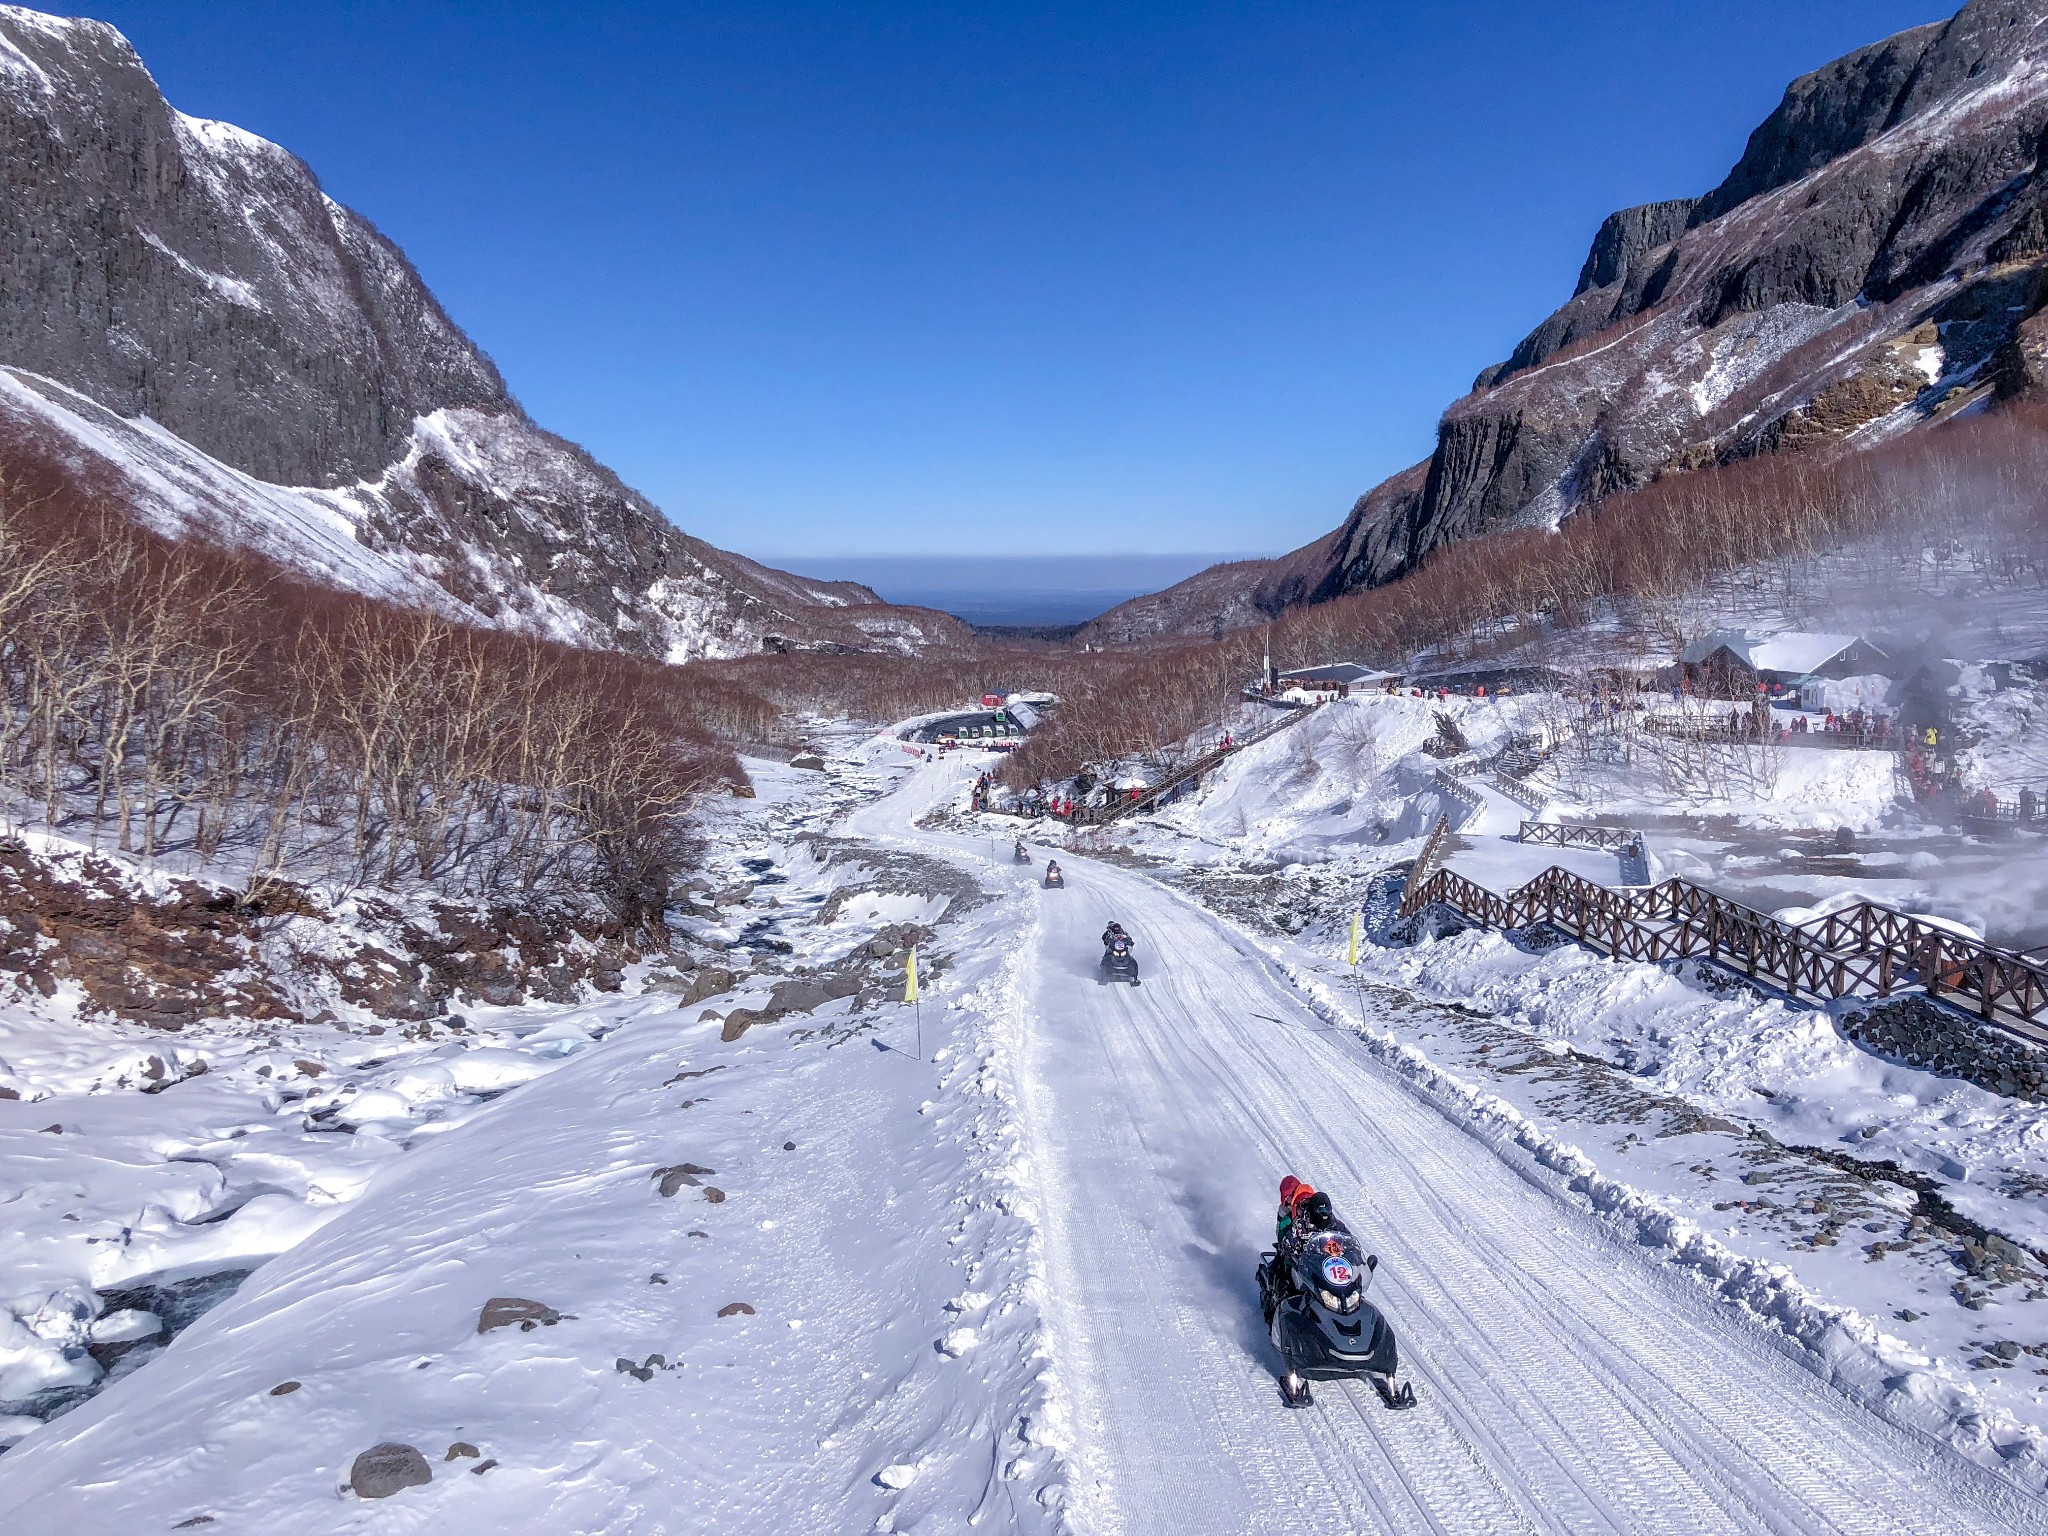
{"x": 1293, "y": 1192}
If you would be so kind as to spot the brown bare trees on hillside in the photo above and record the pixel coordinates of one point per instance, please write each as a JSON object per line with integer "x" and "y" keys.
{"x": 1665, "y": 562}
{"x": 168, "y": 697}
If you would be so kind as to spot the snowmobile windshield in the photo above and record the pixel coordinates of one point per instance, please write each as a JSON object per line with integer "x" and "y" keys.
{"x": 1329, "y": 1264}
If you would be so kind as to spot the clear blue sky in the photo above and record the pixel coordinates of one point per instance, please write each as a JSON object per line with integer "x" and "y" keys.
{"x": 877, "y": 277}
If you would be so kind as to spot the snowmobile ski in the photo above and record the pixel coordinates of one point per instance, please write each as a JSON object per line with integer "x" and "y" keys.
{"x": 1395, "y": 1397}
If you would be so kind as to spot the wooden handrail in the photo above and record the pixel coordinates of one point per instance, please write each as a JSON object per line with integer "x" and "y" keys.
{"x": 1867, "y": 950}
{"x": 1568, "y": 834}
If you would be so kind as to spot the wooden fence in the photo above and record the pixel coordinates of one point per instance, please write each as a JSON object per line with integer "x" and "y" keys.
{"x": 1867, "y": 950}
{"x": 1568, "y": 834}
{"x": 1740, "y": 726}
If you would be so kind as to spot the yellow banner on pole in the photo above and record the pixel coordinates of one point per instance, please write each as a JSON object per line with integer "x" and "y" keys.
{"x": 910, "y": 977}
{"x": 1357, "y": 928}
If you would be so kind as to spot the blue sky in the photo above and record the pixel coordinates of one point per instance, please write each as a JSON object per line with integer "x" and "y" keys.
{"x": 988, "y": 278}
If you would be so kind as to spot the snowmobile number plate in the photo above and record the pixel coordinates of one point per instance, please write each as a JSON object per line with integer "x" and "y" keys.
{"x": 1338, "y": 1272}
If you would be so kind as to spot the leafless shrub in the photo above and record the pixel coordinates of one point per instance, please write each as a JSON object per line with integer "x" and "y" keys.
{"x": 161, "y": 695}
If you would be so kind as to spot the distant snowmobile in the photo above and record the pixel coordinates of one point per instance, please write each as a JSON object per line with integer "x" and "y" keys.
{"x": 1019, "y": 855}
{"x": 1312, "y": 1291}
{"x": 1119, "y": 962}
{"x": 1054, "y": 880}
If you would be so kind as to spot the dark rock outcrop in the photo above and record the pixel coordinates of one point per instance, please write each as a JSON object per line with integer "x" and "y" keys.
{"x": 299, "y": 375}
{"x": 195, "y": 274}
{"x": 1877, "y": 258}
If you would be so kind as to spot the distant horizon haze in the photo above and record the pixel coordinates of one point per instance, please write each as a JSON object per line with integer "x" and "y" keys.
{"x": 1023, "y": 590}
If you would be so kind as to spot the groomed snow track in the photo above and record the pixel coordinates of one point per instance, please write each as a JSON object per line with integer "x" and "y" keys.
{"x": 1567, "y": 1382}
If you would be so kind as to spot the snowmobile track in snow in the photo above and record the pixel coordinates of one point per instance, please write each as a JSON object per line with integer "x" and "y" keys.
{"x": 1566, "y": 1383}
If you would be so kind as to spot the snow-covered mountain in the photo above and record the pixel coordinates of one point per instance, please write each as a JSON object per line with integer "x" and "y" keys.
{"x": 1876, "y": 260}
{"x": 190, "y": 322}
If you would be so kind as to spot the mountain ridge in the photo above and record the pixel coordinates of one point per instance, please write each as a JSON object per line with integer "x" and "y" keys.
{"x": 195, "y": 277}
{"x": 1876, "y": 259}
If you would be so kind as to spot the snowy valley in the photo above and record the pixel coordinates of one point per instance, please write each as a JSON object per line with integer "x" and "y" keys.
{"x": 513, "y": 1019}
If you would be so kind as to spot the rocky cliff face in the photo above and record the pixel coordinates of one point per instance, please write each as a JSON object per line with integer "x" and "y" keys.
{"x": 185, "y": 311}
{"x": 1877, "y": 259}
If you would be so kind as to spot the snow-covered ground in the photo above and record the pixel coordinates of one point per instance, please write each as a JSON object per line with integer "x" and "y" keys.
{"x": 986, "y": 1263}
{"x": 1610, "y": 1057}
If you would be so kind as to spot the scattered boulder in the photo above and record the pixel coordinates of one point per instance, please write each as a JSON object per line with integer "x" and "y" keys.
{"x": 505, "y": 1311}
{"x": 389, "y": 1468}
{"x": 809, "y": 761}
{"x": 709, "y": 981}
{"x": 461, "y": 1448}
{"x": 739, "y": 1021}
{"x": 803, "y": 994}
{"x": 644, "y": 1371}
{"x": 679, "y": 1176}
{"x": 736, "y": 1309}
{"x": 713, "y": 1195}
{"x": 284, "y": 1388}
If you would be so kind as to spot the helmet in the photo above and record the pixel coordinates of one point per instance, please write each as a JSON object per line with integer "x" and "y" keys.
{"x": 1317, "y": 1212}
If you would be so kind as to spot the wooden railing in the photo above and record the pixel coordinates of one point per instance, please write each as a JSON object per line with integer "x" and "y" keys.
{"x": 1867, "y": 950}
{"x": 1566, "y": 834}
{"x": 1740, "y": 727}
{"x": 1460, "y": 791}
{"x": 1425, "y": 865}
{"x": 1518, "y": 792}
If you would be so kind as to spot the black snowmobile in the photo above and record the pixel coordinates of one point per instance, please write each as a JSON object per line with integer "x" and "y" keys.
{"x": 1312, "y": 1290}
{"x": 1119, "y": 963}
{"x": 1018, "y": 855}
{"x": 1054, "y": 880}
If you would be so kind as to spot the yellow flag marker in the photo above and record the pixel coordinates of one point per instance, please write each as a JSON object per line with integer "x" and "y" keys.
{"x": 1357, "y": 926}
{"x": 910, "y": 977}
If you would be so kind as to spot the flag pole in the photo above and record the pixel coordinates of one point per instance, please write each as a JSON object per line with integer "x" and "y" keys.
{"x": 910, "y": 996}
{"x": 1351, "y": 959}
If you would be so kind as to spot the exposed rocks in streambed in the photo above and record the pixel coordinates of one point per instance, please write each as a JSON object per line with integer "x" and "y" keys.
{"x": 1924, "y": 1034}
{"x": 134, "y": 1324}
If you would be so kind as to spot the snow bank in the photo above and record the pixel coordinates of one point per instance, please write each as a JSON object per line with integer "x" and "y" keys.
{"x": 1838, "y": 1342}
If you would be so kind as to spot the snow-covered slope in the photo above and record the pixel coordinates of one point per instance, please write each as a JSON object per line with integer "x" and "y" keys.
{"x": 189, "y": 322}
{"x": 1002, "y": 1282}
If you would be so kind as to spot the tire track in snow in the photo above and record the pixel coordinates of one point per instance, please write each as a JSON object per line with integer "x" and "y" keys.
{"x": 1568, "y": 1385}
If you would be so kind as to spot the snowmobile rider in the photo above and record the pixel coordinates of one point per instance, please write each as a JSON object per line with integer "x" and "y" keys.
{"x": 1304, "y": 1211}
{"x": 1114, "y": 932}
